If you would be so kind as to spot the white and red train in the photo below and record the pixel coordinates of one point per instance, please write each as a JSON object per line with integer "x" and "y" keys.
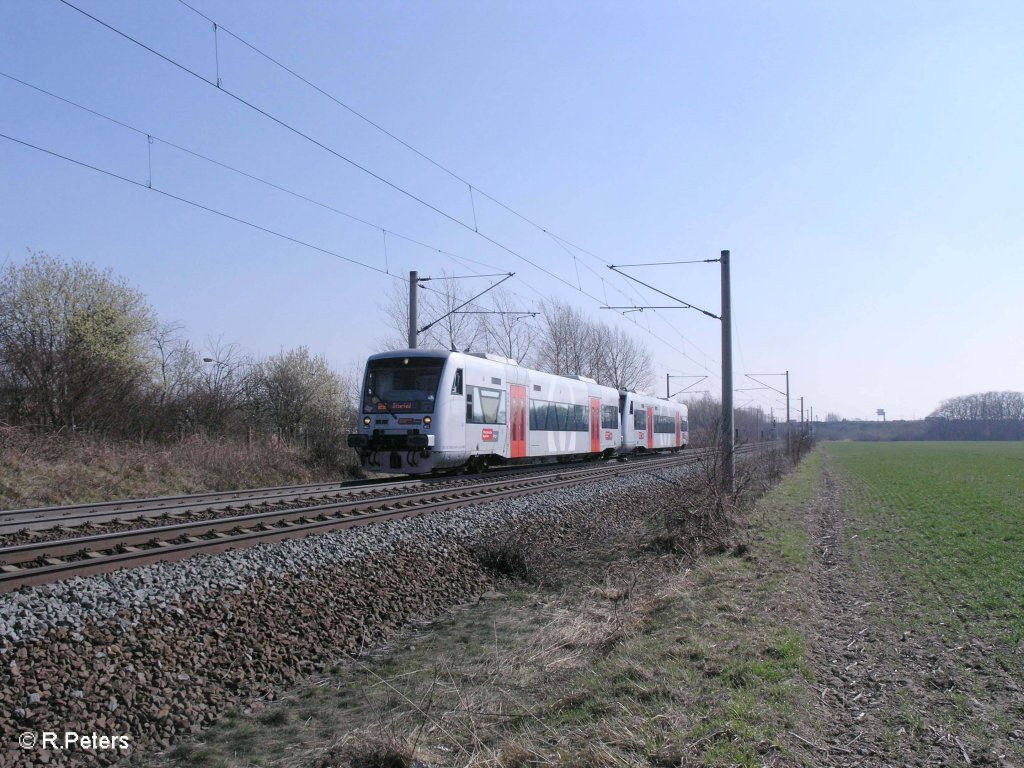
{"x": 430, "y": 410}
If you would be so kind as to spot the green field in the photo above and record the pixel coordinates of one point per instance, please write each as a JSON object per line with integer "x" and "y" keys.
{"x": 947, "y": 519}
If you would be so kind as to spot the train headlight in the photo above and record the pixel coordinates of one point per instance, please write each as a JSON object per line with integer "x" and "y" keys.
{"x": 427, "y": 421}
{"x": 366, "y": 421}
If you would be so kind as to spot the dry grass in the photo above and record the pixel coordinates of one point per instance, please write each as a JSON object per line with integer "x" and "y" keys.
{"x": 636, "y": 657}
{"x": 44, "y": 469}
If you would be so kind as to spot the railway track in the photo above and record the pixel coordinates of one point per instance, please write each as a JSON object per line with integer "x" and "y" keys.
{"x": 72, "y": 515}
{"x": 27, "y": 525}
{"x": 41, "y": 562}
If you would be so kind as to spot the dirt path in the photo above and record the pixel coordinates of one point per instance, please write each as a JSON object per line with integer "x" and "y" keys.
{"x": 893, "y": 692}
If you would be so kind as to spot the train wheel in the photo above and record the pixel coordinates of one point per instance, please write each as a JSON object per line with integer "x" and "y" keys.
{"x": 475, "y": 465}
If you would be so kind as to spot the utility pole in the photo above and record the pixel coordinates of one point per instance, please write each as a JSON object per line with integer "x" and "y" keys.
{"x": 413, "y": 307}
{"x": 728, "y": 435}
{"x": 801, "y": 415}
{"x": 789, "y": 433}
{"x": 728, "y": 432}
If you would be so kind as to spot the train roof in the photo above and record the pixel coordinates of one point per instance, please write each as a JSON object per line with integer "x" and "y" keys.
{"x": 442, "y": 354}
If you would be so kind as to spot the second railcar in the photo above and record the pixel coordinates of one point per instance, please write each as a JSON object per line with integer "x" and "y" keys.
{"x": 652, "y": 424}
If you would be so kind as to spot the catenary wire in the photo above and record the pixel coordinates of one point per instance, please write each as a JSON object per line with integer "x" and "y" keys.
{"x": 193, "y": 203}
{"x": 320, "y": 144}
{"x": 472, "y": 187}
{"x": 253, "y": 177}
{"x": 339, "y": 155}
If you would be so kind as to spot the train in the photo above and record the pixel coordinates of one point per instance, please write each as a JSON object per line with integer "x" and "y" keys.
{"x": 433, "y": 411}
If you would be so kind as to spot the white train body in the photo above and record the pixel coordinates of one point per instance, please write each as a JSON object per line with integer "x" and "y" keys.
{"x": 652, "y": 424}
{"x": 428, "y": 410}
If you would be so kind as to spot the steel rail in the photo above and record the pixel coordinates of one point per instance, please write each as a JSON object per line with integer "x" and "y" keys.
{"x": 37, "y": 518}
{"x": 175, "y": 542}
{"x": 74, "y": 515}
{"x": 28, "y": 552}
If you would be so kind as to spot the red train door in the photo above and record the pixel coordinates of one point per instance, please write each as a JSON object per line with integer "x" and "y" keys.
{"x": 650, "y": 427}
{"x": 679, "y": 431}
{"x": 517, "y": 422}
{"x": 595, "y": 425}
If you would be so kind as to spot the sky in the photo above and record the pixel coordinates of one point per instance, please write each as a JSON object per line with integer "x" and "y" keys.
{"x": 861, "y": 161}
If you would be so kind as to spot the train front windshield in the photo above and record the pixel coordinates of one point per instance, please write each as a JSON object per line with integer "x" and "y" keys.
{"x": 402, "y": 384}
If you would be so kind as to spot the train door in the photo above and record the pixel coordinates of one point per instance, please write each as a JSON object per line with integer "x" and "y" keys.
{"x": 517, "y": 421}
{"x": 595, "y": 425}
{"x": 679, "y": 431}
{"x": 650, "y": 427}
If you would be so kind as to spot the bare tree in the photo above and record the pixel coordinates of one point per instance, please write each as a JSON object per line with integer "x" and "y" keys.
{"x": 223, "y": 397}
{"x": 567, "y": 345}
{"x": 570, "y": 343}
{"x": 445, "y": 329}
{"x": 625, "y": 363}
{"x": 177, "y": 372}
{"x": 511, "y": 330}
{"x": 983, "y": 406}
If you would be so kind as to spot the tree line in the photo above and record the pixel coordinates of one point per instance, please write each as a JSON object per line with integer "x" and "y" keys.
{"x": 81, "y": 350}
{"x": 982, "y": 406}
{"x": 981, "y": 416}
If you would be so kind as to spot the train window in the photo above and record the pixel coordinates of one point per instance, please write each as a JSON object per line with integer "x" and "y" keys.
{"x": 537, "y": 416}
{"x": 684, "y": 426}
{"x": 630, "y": 407}
{"x": 582, "y": 418}
{"x": 485, "y": 406}
{"x": 457, "y": 384}
{"x": 556, "y": 417}
{"x": 664, "y": 424}
{"x": 559, "y": 417}
{"x": 402, "y": 384}
{"x": 609, "y": 417}
{"x": 640, "y": 419}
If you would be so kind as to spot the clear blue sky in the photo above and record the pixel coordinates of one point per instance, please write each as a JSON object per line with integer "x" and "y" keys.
{"x": 862, "y": 161}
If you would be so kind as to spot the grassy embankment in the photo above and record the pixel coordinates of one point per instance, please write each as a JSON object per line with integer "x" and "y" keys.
{"x": 45, "y": 469}
{"x": 625, "y": 656}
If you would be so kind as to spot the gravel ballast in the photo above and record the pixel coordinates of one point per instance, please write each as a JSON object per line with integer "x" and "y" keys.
{"x": 161, "y": 651}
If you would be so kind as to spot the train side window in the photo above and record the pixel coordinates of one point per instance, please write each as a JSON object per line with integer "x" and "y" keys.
{"x": 609, "y": 417}
{"x": 630, "y": 407}
{"x": 485, "y": 406}
{"x": 457, "y": 384}
{"x": 640, "y": 419}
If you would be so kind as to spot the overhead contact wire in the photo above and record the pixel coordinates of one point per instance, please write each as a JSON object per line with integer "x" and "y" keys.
{"x": 340, "y": 156}
{"x": 193, "y": 203}
{"x": 558, "y": 238}
{"x": 323, "y": 146}
{"x": 227, "y": 167}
